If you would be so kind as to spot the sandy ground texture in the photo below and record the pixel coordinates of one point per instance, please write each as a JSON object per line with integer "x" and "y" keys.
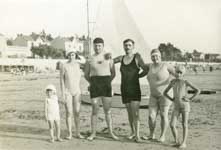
{"x": 22, "y": 125}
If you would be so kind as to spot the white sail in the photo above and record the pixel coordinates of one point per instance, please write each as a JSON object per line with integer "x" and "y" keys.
{"x": 114, "y": 24}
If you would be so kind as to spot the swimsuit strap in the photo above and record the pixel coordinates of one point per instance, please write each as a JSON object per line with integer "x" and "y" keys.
{"x": 122, "y": 61}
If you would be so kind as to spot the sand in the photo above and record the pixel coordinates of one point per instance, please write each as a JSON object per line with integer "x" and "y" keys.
{"x": 22, "y": 125}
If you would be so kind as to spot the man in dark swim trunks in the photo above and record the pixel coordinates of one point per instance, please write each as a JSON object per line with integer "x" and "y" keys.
{"x": 99, "y": 72}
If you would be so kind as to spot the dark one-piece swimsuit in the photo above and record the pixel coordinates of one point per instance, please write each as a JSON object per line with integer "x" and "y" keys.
{"x": 130, "y": 85}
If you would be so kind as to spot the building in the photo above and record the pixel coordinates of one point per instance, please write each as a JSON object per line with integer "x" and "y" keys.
{"x": 18, "y": 51}
{"x": 3, "y": 45}
{"x": 39, "y": 40}
{"x": 23, "y": 40}
{"x": 30, "y": 40}
{"x": 198, "y": 56}
{"x": 210, "y": 57}
{"x": 68, "y": 44}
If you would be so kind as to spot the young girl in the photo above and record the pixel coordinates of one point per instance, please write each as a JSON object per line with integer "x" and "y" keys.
{"x": 181, "y": 103}
{"x": 52, "y": 115}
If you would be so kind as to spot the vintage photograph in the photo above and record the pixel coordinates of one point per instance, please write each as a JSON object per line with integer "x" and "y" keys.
{"x": 110, "y": 74}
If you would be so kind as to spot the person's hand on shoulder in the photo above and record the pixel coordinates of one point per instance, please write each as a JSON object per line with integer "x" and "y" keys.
{"x": 89, "y": 59}
{"x": 137, "y": 54}
{"x": 107, "y": 56}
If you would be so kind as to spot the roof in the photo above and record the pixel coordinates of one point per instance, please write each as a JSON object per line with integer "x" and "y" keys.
{"x": 213, "y": 54}
{"x": 26, "y": 37}
{"x": 34, "y": 36}
{"x": 65, "y": 39}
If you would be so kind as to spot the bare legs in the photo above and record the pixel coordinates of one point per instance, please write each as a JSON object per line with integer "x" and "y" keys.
{"x": 134, "y": 120}
{"x": 76, "y": 111}
{"x": 152, "y": 121}
{"x": 72, "y": 106}
{"x": 164, "y": 122}
{"x": 130, "y": 119}
{"x": 51, "y": 129}
{"x": 57, "y": 127}
{"x": 68, "y": 108}
{"x": 185, "y": 116}
{"x": 107, "y": 106}
{"x": 153, "y": 111}
{"x": 95, "y": 109}
{"x": 173, "y": 127}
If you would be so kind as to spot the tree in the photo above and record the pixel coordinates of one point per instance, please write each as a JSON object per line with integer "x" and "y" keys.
{"x": 170, "y": 52}
{"x": 9, "y": 42}
{"x": 45, "y": 51}
{"x": 49, "y": 37}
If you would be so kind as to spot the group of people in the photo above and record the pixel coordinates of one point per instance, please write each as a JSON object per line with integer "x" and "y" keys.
{"x": 99, "y": 71}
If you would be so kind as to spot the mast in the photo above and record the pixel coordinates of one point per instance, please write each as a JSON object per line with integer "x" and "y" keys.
{"x": 88, "y": 29}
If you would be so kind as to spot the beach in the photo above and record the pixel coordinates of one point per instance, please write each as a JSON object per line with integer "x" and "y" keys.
{"x": 22, "y": 124}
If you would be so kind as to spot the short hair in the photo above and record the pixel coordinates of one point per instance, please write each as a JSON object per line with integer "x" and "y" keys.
{"x": 181, "y": 68}
{"x": 129, "y": 40}
{"x": 155, "y": 51}
{"x": 98, "y": 40}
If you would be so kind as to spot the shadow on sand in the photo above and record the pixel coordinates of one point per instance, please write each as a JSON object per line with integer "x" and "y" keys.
{"x": 24, "y": 132}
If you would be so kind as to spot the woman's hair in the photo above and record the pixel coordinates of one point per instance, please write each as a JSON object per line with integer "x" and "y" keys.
{"x": 129, "y": 40}
{"x": 76, "y": 55}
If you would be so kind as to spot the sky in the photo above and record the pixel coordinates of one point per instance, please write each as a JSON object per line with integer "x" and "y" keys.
{"x": 188, "y": 24}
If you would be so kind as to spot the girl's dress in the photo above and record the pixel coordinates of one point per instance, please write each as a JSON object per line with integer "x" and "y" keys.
{"x": 53, "y": 108}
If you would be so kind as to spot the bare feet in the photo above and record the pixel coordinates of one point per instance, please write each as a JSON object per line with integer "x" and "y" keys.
{"x": 51, "y": 140}
{"x": 137, "y": 139}
{"x": 177, "y": 144}
{"x": 183, "y": 145}
{"x": 145, "y": 137}
{"x": 114, "y": 136}
{"x": 130, "y": 137}
{"x": 162, "y": 139}
{"x": 91, "y": 137}
{"x": 148, "y": 138}
{"x": 68, "y": 137}
{"x": 59, "y": 140}
{"x": 79, "y": 136}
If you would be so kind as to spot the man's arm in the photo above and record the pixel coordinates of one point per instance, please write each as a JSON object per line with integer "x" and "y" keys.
{"x": 87, "y": 71}
{"x": 81, "y": 59}
{"x": 171, "y": 69}
{"x": 112, "y": 70}
{"x": 142, "y": 65}
{"x": 117, "y": 59}
{"x": 165, "y": 93}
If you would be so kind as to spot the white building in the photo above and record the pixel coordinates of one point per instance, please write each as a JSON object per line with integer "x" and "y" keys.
{"x": 67, "y": 44}
{"x": 32, "y": 40}
{"x": 13, "y": 51}
{"x": 23, "y": 40}
{"x": 39, "y": 40}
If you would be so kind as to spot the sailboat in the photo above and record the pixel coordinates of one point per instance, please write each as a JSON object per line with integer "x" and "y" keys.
{"x": 114, "y": 23}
